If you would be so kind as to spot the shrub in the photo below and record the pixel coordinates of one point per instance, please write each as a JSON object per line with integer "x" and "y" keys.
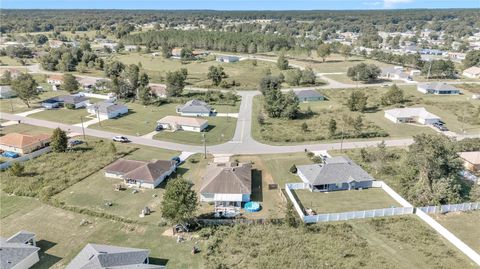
{"x": 293, "y": 169}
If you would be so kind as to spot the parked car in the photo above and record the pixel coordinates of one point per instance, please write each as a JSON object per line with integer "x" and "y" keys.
{"x": 121, "y": 139}
{"x": 10, "y": 154}
{"x": 177, "y": 160}
{"x": 72, "y": 143}
{"x": 440, "y": 127}
{"x": 159, "y": 128}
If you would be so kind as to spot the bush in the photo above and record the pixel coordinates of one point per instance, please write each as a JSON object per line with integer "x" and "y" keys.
{"x": 70, "y": 106}
{"x": 293, "y": 169}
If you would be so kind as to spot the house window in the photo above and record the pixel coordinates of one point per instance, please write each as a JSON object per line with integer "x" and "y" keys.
{"x": 322, "y": 187}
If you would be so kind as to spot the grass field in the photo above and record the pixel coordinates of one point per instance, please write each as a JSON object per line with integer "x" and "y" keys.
{"x": 6, "y": 60}
{"x": 464, "y": 225}
{"x": 62, "y": 115}
{"x": 344, "y": 201}
{"x": 25, "y": 129}
{"x": 15, "y": 105}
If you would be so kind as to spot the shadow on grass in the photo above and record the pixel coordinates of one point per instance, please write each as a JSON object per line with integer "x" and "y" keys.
{"x": 158, "y": 261}
{"x": 257, "y": 191}
{"x": 46, "y": 260}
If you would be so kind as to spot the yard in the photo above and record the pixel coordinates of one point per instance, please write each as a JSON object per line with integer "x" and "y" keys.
{"x": 25, "y": 129}
{"x": 464, "y": 225}
{"x": 15, "y": 105}
{"x": 63, "y": 115}
{"x": 345, "y": 201}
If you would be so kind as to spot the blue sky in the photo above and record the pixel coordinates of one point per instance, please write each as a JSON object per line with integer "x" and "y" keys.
{"x": 238, "y": 4}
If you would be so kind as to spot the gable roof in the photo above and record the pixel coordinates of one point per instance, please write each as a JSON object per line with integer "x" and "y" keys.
{"x": 21, "y": 237}
{"x": 122, "y": 166}
{"x": 22, "y": 140}
{"x": 308, "y": 94}
{"x": 55, "y": 77}
{"x": 14, "y": 249}
{"x": 72, "y": 99}
{"x": 139, "y": 170}
{"x": 228, "y": 178}
{"x": 409, "y": 112}
{"x": 438, "y": 86}
{"x": 106, "y": 107}
{"x": 472, "y": 157}
{"x": 335, "y": 170}
{"x": 195, "y": 106}
{"x": 106, "y": 256}
{"x": 187, "y": 121}
{"x": 474, "y": 70}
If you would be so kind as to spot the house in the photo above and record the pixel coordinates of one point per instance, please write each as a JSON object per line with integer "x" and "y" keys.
{"x": 55, "y": 43}
{"x": 395, "y": 73}
{"x": 107, "y": 256}
{"x": 471, "y": 160}
{"x": 175, "y": 123}
{"x": 195, "y": 108}
{"x": 309, "y": 95}
{"x": 23, "y": 143}
{"x": 158, "y": 90}
{"x": 411, "y": 114}
{"x": 228, "y": 59}
{"x": 76, "y": 101}
{"x": 87, "y": 83}
{"x": 19, "y": 251}
{"x": 439, "y": 88}
{"x": 177, "y": 52}
{"x": 139, "y": 173}
{"x": 55, "y": 79}
{"x": 107, "y": 110}
{"x": 14, "y": 73}
{"x": 337, "y": 173}
{"x": 7, "y": 92}
{"x": 415, "y": 72}
{"x": 228, "y": 185}
{"x": 472, "y": 72}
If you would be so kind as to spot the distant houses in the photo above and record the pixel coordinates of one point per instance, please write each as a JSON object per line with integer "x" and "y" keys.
{"x": 195, "y": 108}
{"x": 107, "y": 110}
{"x": 23, "y": 143}
{"x": 19, "y": 251}
{"x": 472, "y": 72}
{"x": 337, "y": 173}
{"x": 309, "y": 95}
{"x": 7, "y": 92}
{"x": 228, "y": 59}
{"x": 175, "y": 123}
{"x": 395, "y": 73}
{"x": 411, "y": 115}
{"x": 73, "y": 101}
{"x": 471, "y": 160}
{"x": 227, "y": 185}
{"x": 141, "y": 174}
{"x": 438, "y": 88}
{"x": 106, "y": 256}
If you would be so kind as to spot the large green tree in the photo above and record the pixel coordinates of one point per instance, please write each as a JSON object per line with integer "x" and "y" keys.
{"x": 70, "y": 84}
{"x": 364, "y": 72}
{"x": 323, "y": 51}
{"x": 394, "y": 95}
{"x": 59, "y": 141}
{"x": 216, "y": 74}
{"x": 175, "y": 82}
{"x": 472, "y": 59}
{"x": 26, "y": 88}
{"x": 357, "y": 101}
{"x": 282, "y": 62}
{"x": 179, "y": 201}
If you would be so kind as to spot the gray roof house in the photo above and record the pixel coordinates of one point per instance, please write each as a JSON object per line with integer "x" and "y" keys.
{"x": 107, "y": 110}
{"x": 195, "y": 108}
{"x": 337, "y": 173}
{"x": 7, "y": 92}
{"x": 105, "y": 256}
{"x": 18, "y": 251}
{"x": 76, "y": 100}
{"x": 309, "y": 95}
{"x": 439, "y": 88}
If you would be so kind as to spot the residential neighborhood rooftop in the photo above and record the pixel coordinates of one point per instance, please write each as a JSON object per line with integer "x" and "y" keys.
{"x": 472, "y": 157}
{"x": 178, "y": 120}
{"x": 133, "y": 169}
{"x": 227, "y": 178}
{"x": 18, "y": 140}
{"x": 408, "y": 112}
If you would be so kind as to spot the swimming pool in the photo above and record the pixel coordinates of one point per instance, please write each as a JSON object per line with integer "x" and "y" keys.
{"x": 252, "y": 207}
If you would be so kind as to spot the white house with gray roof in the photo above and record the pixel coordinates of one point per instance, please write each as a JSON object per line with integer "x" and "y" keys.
{"x": 105, "y": 256}
{"x": 19, "y": 251}
{"x": 337, "y": 173}
{"x": 411, "y": 115}
{"x": 195, "y": 108}
{"x": 107, "y": 110}
{"x": 7, "y": 92}
{"x": 438, "y": 88}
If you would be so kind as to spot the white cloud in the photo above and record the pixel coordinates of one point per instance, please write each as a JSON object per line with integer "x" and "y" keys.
{"x": 393, "y": 3}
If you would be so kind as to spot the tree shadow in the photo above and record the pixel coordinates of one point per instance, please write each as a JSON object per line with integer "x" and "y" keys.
{"x": 46, "y": 260}
{"x": 157, "y": 261}
{"x": 257, "y": 191}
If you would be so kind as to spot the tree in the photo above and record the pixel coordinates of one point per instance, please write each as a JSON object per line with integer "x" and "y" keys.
{"x": 113, "y": 69}
{"x": 308, "y": 76}
{"x": 304, "y": 127}
{"x": 357, "y": 101}
{"x": 364, "y": 72}
{"x": 346, "y": 51}
{"x": 40, "y": 39}
{"x": 358, "y": 124}
{"x": 439, "y": 69}
{"x": 70, "y": 84}
{"x": 291, "y": 106}
{"x": 59, "y": 140}
{"x": 216, "y": 74}
{"x": 186, "y": 54}
{"x": 16, "y": 169}
{"x": 393, "y": 96}
{"x": 471, "y": 59}
{"x": 332, "y": 127}
{"x": 26, "y": 88}
{"x": 6, "y": 77}
{"x": 269, "y": 83}
{"x": 293, "y": 77}
{"x": 293, "y": 169}
{"x": 282, "y": 62}
{"x": 290, "y": 218}
{"x": 179, "y": 201}
{"x": 323, "y": 51}
{"x": 175, "y": 82}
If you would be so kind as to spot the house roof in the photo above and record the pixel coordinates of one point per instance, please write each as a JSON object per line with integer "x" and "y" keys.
{"x": 335, "y": 170}
{"x": 72, "y": 99}
{"x": 228, "y": 178}
{"x": 122, "y": 166}
{"x": 472, "y": 157}
{"x": 474, "y": 70}
{"x": 14, "y": 249}
{"x": 146, "y": 171}
{"x": 195, "y": 106}
{"x": 107, "y": 107}
{"x": 308, "y": 94}
{"x": 409, "y": 112}
{"x": 55, "y": 77}
{"x": 187, "y": 121}
{"x": 21, "y": 237}
{"x": 22, "y": 140}
{"x": 106, "y": 256}
{"x": 438, "y": 86}
{"x": 158, "y": 89}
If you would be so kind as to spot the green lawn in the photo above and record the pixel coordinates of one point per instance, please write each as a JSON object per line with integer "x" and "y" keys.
{"x": 464, "y": 225}
{"x": 62, "y": 115}
{"x": 6, "y": 60}
{"x": 15, "y": 105}
{"x": 25, "y": 129}
{"x": 344, "y": 201}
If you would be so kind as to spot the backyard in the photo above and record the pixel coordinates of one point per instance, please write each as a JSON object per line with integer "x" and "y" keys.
{"x": 15, "y": 105}
{"x": 63, "y": 115}
{"x": 464, "y": 225}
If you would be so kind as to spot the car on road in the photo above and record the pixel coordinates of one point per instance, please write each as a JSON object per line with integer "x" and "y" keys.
{"x": 73, "y": 143}
{"x": 121, "y": 139}
{"x": 177, "y": 160}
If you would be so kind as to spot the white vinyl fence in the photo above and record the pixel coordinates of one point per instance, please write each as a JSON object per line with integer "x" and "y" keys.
{"x": 295, "y": 186}
{"x": 24, "y": 158}
{"x": 450, "y": 208}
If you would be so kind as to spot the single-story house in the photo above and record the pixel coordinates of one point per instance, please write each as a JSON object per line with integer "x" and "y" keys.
{"x": 55, "y": 79}
{"x": 471, "y": 160}
{"x": 337, "y": 173}
{"x": 106, "y": 256}
{"x": 139, "y": 173}
{"x": 158, "y": 90}
{"x": 177, "y": 52}
{"x": 19, "y": 251}
{"x": 195, "y": 108}
{"x": 77, "y": 101}
{"x": 411, "y": 114}
{"x": 14, "y": 73}
{"x": 87, "y": 83}
{"x": 7, "y": 92}
{"x": 107, "y": 110}
{"x": 472, "y": 72}
{"x": 228, "y": 59}
{"x": 309, "y": 95}
{"x": 439, "y": 88}
{"x": 395, "y": 73}
{"x": 228, "y": 185}
{"x": 175, "y": 123}
{"x": 23, "y": 143}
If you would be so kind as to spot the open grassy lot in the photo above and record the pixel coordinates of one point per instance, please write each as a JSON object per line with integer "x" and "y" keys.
{"x": 15, "y": 105}
{"x": 464, "y": 225}
{"x": 244, "y": 72}
{"x": 6, "y": 60}
{"x": 60, "y": 234}
{"x": 25, "y": 129}
{"x": 344, "y": 201}
{"x": 62, "y": 115}
{"x": 343, "y": 78}
{"x": 397, "y": 242}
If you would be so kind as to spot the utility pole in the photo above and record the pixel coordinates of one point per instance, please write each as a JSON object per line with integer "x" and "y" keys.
{"x": 429, "y": 68}
{"x": 83, "y": 128}
{"x": 204, "y": 145}
{"x": 341, "y": 141}
{"x": 11, "y": 105}
{"x": 98, "y": 116}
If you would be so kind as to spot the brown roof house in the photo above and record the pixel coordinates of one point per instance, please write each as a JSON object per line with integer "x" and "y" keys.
{"x": 23, "y": 143}
{"x": 227, "y": 185}
{"x": 139, "y": 173}
{"x": 471, "y": 160}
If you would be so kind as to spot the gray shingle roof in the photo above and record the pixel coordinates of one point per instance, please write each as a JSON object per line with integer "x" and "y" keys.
{"x": 308, "y": 94}
{"x": 195, "y": 106}
{"x": 439, "y": 86}
{"x": 14, "y": 249}
{"x": 21, "y": 237}
{"x": 335, "y": 170}
{"x": 107, "y": 107}
{"x": 227, "y": 178}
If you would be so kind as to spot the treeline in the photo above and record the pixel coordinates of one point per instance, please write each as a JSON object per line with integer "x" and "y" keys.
{"x": 223, "y": 41}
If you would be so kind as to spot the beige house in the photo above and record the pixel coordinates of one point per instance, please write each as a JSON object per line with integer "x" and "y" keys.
{"x": 472, "y": 72}
{"x": 175, "y": 123}
{"x": 471, "y": 160}
{"x": 23, "y": 143}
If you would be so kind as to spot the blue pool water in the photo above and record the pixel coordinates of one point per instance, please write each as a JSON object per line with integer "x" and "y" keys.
{"x": 252, "y": 207}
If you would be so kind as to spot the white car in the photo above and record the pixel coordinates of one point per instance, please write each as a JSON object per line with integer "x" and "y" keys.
{"x": 121, "y": 139}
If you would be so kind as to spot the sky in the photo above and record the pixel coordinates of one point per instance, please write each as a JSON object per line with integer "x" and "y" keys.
{"x": 238, "y": 4}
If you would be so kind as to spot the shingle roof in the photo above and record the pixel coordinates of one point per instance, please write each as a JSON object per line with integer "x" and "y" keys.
{"x": 228, "y": 178}
{"x": 409, "y": 112}
{"x": 105, "y": 256}
{"x": 438, "y": 86}
{"x": 308, "y": 94}
{"x": 21, "y": 237}
{"x": 335, "y": 170}
{"x": 72, "y": 99}
{"x": 107, "y": 107}
{"x": 472, "y": 157}
{"x": 14, "y": 249}
{"x": 195, "y": 106}
{"x": 474, "y": 70}
{"x": 146, "y": 171}
{"x": 22, "y": 140}
{"x": 187, "y": 121}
